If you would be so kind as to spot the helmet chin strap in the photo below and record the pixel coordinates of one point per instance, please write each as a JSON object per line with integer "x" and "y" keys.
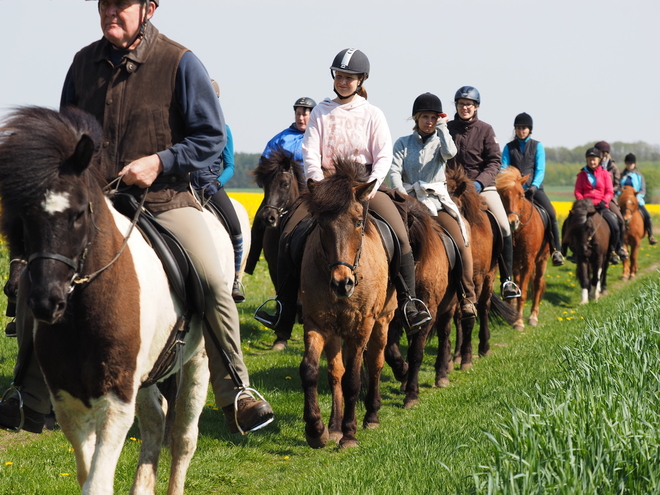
{"x": 341, "y": 97}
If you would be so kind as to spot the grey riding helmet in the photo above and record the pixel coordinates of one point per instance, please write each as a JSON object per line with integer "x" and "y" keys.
{"x": 468, "y": 93}
{"x": 305, "y": 102}
{"x": 350, "y": 61}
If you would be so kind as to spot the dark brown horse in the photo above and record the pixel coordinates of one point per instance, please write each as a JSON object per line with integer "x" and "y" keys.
{"x": 485, "y": 252}
{"x": 634, "y": 229}
{"x": 101, "y": 305}
{"x": 531, "y": 248}
{"x": 282, "y": 180}
{"x": 346, "y": 296}
{"x": 588, "y": 235}
{"x": 435, "y": 284}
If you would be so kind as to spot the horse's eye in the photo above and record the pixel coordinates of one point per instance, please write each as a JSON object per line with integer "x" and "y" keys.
{"x": 358, "y": 224}
{"x": 78, "y": 218}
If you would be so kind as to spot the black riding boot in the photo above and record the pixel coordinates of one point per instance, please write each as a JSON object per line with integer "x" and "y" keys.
{"x": 509, "y": 288}
{"x": 237, "y": 290}
{"x": 648, "y": 228}
{"x": 413, "y": 318}
{"x": 256, "y": 245}
{"x": 557, "y": 253}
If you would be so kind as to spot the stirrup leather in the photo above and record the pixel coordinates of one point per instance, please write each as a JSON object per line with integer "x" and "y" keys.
{"x": 265, "y": 322}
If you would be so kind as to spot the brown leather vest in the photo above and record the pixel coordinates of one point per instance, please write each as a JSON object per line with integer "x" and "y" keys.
{"x": 135, "y": 103}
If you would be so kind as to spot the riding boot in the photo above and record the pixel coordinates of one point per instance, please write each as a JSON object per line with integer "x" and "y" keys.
{"x": 237, "y": 290}
{"x": 466, "y": 285}
{"x": 413, "y": 318}
{"x": 10, "y": 330}
{"x": 648, "y": 228}
{"x": 509, "y": 288}
{"x": 557, "y": 254}
{"x": 622, "y": 251}
{"x": 256, "y": 245}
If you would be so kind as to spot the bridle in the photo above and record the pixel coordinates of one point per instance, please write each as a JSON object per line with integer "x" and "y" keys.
{"x": 518, "y": 215}
{"x": 358, "y": 253}
{"x": 284, "y": 209}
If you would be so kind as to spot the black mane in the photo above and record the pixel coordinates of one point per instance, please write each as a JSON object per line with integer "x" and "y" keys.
{"x": 334, "y": 194}
{"x": 277, "y": 162}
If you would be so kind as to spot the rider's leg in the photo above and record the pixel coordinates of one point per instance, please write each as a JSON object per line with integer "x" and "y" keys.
{"x": 223, "y": 202}
{"x": 467, "y": 294}
{"x": 648, "y": 225}
{"x": 541, "y": 198}
{"x": 288, "y": 281}
{"x": 414, "y": 317}
{"x": 621, "y": 248}
{"x": 256, "y": 242}
{"x": 190, "y": 228}
{"x": 494, "y": 202}
{"x": 612, "y": 221}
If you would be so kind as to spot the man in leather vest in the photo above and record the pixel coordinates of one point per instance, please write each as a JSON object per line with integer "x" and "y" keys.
{"x": 161, "y": 120}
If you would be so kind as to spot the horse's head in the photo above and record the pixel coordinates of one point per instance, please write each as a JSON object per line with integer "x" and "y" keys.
{"x": 465, "y": 195}
{"x": 43, "y": 158}
{"x": 281, "y": 178}
{"x": 582, "y": 226}
{"x": 628, "y": 203}
{"x": 509, "y": 185}
{"x": 339, "y": 206}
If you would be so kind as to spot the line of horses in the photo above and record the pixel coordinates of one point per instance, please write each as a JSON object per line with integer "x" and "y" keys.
{"x": 96, "y": 341}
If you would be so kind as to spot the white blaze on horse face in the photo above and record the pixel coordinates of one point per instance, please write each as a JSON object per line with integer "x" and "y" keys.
{"x": 55, "y": 202}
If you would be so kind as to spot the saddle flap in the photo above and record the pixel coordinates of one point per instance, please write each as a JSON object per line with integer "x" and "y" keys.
{"x": 453, "y": 254}
{"x": 390, "y": 242}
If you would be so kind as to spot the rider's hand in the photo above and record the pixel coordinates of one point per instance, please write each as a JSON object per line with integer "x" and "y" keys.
{"x": 531, "y": 191}
{"x": 142, "y": 172}
{"x": 601, "y": 206}
{"x": 478, "y": 186}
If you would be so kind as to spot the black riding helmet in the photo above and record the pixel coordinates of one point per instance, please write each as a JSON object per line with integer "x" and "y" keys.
{"x": 523, "y": 120}
{"x": 305, "y": 102}
{"x": 350, "y": 61}
{"x": 427, "y": 102}
{"x": 593, "y": 152}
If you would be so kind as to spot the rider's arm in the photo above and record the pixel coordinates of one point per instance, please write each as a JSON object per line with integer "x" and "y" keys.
{"x": 539, "y": 166}
{"x": 506, "y": 157}
{"x": 227, "y": 160}
{"x": 396, "y": 170}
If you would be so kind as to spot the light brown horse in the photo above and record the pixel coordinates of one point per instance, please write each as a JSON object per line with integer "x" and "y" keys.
{"x": 531, "y": 248}
{"x": 346, "y": 296}
{"x": 634, "y": 230}
{"x": 485, "y": 248}
{"x": 435, "y": 284}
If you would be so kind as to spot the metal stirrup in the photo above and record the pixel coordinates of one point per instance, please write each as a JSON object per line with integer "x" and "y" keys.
{"x": 265, "y": 322}
{"x": 245, "y": 390}
{"x": 405, "y": 314}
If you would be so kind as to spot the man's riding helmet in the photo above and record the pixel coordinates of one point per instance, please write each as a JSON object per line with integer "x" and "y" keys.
{"x": 603, "y": 146}
{"x": 523, "y": 120}
{"x": 468, "y": 93}
{"x": 304, "y": 102}
{"x": 427, "y": 102}
{"x": 593, "y": 152}
{"x": 351, "y": 61}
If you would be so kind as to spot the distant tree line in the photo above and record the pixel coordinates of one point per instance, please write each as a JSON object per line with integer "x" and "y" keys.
{"x": 563, "y": 164}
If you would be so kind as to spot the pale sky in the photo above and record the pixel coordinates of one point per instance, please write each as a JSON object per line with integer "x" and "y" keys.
{"x": 585, "y": 70}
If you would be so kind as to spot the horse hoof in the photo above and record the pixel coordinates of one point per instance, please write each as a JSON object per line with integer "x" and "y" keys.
{"x": 319, "y": 442}
{"x": 457, "y": 361}
{"x": 466, "y": 366}
{"x": 624, "y": 277}
{"x": 409, "y": 403}
{"x": 442, "y": 382}
{"x": 533, "y": 322}
{"x": 348, "y": 443}
{"x": 335, "y": 436}
{"x": 484, "y": 353}
{"x": 519, "y": 327}
{"x": 403, "y": 386}
{"x": 370, "y": 425}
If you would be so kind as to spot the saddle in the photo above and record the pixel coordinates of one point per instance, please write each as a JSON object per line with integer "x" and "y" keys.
{"x": 453, "y": 253}
{"x": 498, "y": 240}
{"x": 545, "y": 217}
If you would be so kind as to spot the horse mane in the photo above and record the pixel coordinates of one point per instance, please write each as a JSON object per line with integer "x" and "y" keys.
{"x": 38, "y": 141}
{"x": 580, "y": 212}
{"x": 279, "y": 160}
{"x": 334, "y": 194}
{"x": 628, "y": 194}
{"x": 507, "y": 179}
{"x": 471, "y": 203}
{"x": 421, "y": 228}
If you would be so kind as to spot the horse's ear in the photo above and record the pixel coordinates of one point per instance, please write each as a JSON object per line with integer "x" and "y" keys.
{"x": 311, "y": 184}
{"x": 460, "y": 189}
{"x": 82, "y": 156}
{"x": 363, "y": 190}
{"x": 523, "y": 180}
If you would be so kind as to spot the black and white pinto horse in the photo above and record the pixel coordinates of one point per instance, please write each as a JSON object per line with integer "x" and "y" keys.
{"x": 103, "y": 312}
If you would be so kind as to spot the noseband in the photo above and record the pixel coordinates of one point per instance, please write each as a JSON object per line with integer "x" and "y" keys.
{"x": 282, "y": 210}
{"x": 358, "y": 253}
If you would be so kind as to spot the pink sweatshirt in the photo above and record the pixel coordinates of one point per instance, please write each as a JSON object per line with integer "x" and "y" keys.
{"x": 357, "y": 130}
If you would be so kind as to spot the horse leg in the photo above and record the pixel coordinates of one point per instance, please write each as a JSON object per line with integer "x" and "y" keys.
{"x": 350, "y": 384}
{"x": 151, "y": 409}
{"x": 375, "y": 359}
{"x": 415, "y": 357}
{"x": 393, "y": 355}
{"x": 583, "y": 277}
{"x": 189, "y": 405}
{"x": 539, "y": 285}
{"x": 523, "y": 282}
{"x": 458, "y": 346}
{"x": 484, "y": 328}
{"x": 335, "y": 373}
{"x": 315, "y": 431}
{"x": 634, "y": 253}
{"x": 443, "y": 362}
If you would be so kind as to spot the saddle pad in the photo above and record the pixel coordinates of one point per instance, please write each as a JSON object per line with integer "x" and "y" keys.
{"x": 452, "y": 249}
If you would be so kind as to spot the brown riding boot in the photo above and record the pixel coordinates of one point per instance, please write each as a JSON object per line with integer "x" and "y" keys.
{"x": 252, "y": 415}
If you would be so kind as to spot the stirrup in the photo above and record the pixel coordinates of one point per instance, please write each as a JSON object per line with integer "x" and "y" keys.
{"x": 238, "y": 395}
{"x": 238, "y": 291}
{"x": 13, "y": 388}
{"x": 557, "y": 258}
{"x": 266, "y": 318}
{"x": 509, "y": 285}
{"x": 412, "y": 329}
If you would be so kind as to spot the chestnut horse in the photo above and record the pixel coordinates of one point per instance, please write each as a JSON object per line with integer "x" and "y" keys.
{"x": 101, "y": 303}
{"x": 588, "y": 235}
{"x": 346, "y": 296}
{"x": 485, "y": 252}
{"x": 634, "y": 229}
{"x": 531, "y": 248}
{"x": 435, "y": 284}
{"x": 282, "y": 180}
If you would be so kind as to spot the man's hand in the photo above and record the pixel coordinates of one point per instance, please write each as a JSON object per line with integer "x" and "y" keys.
{"x": 142, "y": 172}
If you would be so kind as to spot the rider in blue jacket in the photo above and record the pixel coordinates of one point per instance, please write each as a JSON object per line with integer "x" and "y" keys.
{"x": 290, "y": 139}
{"x": 631, "y": 177}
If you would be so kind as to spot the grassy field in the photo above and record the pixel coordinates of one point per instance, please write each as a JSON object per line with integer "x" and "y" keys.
{"x": 449, "y": 443}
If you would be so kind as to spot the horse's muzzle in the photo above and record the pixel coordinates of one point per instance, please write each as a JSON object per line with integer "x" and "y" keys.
{"x": 343, "y": 288}
{"x": 47, "y": 307}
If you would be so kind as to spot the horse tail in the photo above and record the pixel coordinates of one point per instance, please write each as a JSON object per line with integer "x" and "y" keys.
{"x": 502, "y": 311}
